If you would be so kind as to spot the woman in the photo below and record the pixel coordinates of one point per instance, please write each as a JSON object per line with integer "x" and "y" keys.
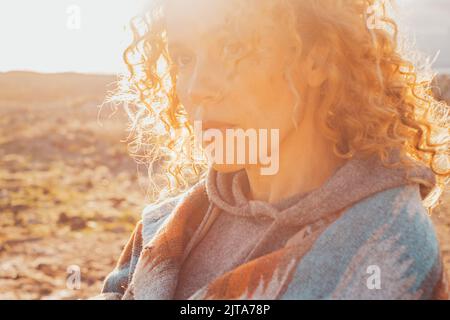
{"x": 356, "y": 155}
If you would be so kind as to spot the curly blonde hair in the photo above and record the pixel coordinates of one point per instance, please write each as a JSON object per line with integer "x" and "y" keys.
{"x": 376, "y": 98}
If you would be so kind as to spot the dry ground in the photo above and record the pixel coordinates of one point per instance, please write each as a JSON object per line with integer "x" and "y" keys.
{"x": 69, "y": 192}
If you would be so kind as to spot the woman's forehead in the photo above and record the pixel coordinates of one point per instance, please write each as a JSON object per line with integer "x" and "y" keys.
{"x": 201, "y": 19}
{"x": 196, "y": 15}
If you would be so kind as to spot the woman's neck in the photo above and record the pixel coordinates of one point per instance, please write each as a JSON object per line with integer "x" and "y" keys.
{"x": 306, "y": 161}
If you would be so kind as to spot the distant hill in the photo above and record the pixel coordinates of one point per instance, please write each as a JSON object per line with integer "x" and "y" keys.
{"x": 21, "y": 86}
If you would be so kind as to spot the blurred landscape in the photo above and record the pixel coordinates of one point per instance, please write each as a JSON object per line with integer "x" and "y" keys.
{"x": 69, "y": 192}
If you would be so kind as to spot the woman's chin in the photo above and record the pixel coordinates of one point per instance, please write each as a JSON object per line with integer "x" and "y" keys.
{"x": 227, "y": 168}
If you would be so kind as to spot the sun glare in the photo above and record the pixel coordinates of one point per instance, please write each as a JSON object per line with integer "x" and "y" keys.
{"x": 65, "y": 35}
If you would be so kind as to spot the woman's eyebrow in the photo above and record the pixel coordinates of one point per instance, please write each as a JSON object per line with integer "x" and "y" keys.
{"x": 173, "y": 45}
{"x": 215, "y": 35}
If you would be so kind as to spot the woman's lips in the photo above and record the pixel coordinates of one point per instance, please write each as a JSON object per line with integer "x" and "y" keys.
{"x": 216, "y": 125}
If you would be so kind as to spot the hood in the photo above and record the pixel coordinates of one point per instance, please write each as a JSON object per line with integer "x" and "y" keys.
{"x": 357, "y": 179}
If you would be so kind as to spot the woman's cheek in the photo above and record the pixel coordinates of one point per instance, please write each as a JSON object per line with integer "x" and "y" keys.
{"x": 182, "y": 93}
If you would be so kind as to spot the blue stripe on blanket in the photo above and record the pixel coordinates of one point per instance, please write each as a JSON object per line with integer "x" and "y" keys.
{"x": 117, "y": 280}
{"x": 154, "y": 216}
{"x": 389, "y": 230}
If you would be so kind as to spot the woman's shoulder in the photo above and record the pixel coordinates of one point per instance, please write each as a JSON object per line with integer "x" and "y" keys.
{"x": 396, "y": 212}
{"x": 155, "y": 215}
{"x": 388, "y": 234}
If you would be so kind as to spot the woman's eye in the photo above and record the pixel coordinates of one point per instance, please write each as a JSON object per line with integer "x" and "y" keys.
{"x": 182, "y": 60}
{"x": 233, "y": 49}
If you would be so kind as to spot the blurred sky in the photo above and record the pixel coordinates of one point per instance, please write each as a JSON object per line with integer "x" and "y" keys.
{"x": 34, "y": 34}
{"x": 427, "y": 22}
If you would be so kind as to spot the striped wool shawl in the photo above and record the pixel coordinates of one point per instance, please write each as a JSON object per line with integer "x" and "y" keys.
{"x": 372, "y": 239}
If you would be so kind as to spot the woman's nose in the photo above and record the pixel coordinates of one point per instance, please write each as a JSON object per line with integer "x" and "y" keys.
{"x": 203, "y": 88}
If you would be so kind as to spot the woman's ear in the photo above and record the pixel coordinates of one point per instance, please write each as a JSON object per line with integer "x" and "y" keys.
{"x": 316, "y": 65}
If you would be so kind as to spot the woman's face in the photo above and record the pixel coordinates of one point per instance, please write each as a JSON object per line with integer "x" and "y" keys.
{"x": 226, "y": 77}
